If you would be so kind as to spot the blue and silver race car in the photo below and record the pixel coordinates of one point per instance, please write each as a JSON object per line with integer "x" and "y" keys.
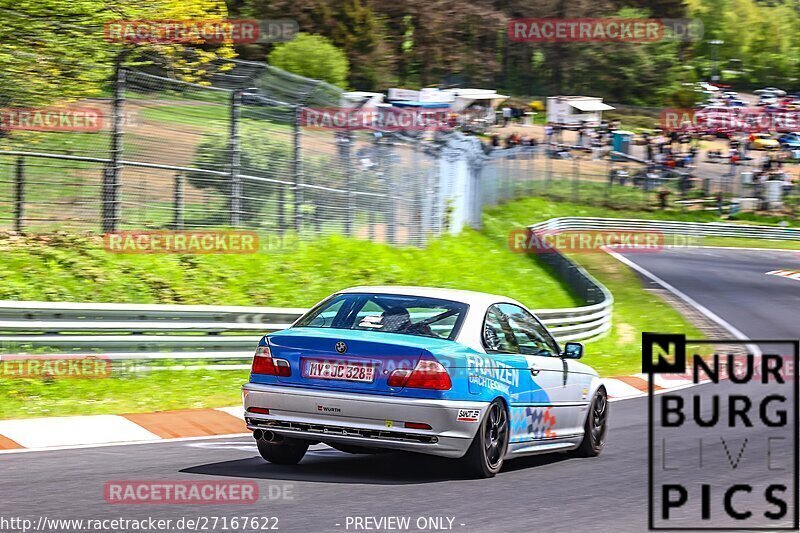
{"x": 444, "y": 372}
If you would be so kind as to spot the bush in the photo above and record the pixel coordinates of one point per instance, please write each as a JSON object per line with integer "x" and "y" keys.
{"x": 312, "y": 56}
{"x": 260, "y": 156}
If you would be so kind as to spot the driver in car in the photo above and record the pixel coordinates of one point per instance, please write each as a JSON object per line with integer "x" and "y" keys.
{"x": 398, "y": 320}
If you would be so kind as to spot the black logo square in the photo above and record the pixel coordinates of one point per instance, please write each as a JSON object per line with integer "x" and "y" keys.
{"x": 674, "y": 346}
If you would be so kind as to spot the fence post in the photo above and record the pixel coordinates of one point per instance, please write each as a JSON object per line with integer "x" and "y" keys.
{"x": 346, "y": 141}
{"x": 281, "y": 208}
{"x": 576, "y": 177}
{"x": 391, "y": 190}
{"x": 19, "y": 195}
{"x": 111, "y": 174}
{"x": 531, "y": 169}
{"x": 548, "y": 172}
{"x": 179, "y": 200}
{"x": 426, "y": 216}
{"x": 421, "y": 197}
{"x": 297, "y": 169}
{"x": 235, "y": 159}
{"x": 474, "y": 169}
{"x": 506, "y": 174}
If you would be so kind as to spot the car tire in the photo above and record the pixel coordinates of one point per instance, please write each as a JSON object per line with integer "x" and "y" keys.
{"x": 286, "y": 452}
{"x": 596, "y": 426}
{"x": 488, "y": 449}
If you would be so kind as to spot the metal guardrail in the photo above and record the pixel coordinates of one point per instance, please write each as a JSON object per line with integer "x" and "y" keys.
{"x": 691, "y": 229}
{"x": 576, "y": 323}
{"x": 150, "y": 332}
{"x": 154, "y": 332}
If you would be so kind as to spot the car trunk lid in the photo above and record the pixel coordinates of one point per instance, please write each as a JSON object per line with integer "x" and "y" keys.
{"x": 335, "y": 359}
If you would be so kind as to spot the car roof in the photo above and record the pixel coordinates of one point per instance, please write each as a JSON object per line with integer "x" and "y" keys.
{"x": 457, "y": 295}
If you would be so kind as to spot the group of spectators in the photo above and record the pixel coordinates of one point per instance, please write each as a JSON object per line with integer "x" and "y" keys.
{"x": 512, "y": 140}
{"x": 511, "y": 113}
{"x": 588, "y": 136}
{"x": 663, "y": 151}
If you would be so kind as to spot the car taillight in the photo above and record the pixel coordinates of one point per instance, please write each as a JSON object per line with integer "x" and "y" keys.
{"x": 416, "y": 425}
{"x": 399, "y": 377}
{"x": 426, "y": 375}
{"x": 264, "y": 363}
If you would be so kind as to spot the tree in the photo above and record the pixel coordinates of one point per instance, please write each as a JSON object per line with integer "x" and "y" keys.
{"x": 630, "y": 73}
{"x": 269, "y": 156}
{"x": 356, "y": 31}
{"x": 261, "y": 156}
{"x": 762, "y": 37}
{"x": 312, "y": 56}
{"x": 53, "y": 51}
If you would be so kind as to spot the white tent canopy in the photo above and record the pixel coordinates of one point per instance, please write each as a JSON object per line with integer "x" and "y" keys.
{"x": 590, "y": 105}
{"x": 465, "y": 97}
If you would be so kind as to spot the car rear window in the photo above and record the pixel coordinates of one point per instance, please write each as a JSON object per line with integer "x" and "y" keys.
{"x": 388, "y": 313}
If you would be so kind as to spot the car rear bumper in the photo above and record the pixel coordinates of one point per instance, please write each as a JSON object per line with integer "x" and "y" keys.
{"x": 363, "y": 419}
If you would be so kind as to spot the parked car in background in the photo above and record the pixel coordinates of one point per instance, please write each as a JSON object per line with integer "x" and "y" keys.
{"x": 764, "y": 141}
{"x": 767, "y": 99}
{"x": 770, "y": 90}
{"x": 790, "y": 141}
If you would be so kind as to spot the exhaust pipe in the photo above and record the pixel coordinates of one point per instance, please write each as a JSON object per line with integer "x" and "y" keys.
{"x": 266, "y": 435}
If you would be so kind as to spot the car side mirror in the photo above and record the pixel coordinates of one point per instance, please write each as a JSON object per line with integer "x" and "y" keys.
{"x": 573, "y": 350}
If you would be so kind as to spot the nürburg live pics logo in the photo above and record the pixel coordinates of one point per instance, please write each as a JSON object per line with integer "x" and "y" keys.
{"x": 723, "y": 449}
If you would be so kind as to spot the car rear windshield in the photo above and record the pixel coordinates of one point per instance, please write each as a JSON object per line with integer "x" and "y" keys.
{"x": 388, "y": 313}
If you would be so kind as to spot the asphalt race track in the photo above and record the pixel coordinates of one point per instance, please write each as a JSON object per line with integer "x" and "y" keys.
{"x": 733, "y": 284}
{"x": 547, "y": 493}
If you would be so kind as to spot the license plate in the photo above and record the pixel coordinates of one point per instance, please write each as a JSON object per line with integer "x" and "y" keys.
{"x": 339, "y": 371}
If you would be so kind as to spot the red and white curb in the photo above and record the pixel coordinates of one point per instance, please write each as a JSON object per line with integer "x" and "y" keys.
{"x": 635, "y": 386}
{"x": 102, "y": 430}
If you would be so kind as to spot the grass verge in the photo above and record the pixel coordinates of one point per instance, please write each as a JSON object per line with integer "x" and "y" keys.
{"x": 79, "y": 269}
{"x": 156, "y": 390}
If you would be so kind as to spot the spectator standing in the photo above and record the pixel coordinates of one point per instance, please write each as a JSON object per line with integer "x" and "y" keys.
{"x": 648, "y": 148}
{"x": 597, "y": 145}
{"x": 733, "y": 159}
{"x": 506, "y": 115}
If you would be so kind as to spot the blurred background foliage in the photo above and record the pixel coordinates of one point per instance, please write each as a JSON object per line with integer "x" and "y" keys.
{"x": 54, "y": 50}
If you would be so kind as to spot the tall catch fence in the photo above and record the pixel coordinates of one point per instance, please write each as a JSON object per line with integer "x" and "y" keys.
{"x": 171, "y": 154}
{"x": 234, "y": 153}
